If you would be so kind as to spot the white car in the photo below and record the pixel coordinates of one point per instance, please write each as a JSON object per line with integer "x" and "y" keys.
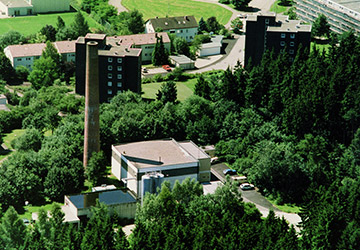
{"x": 247, "y": 186}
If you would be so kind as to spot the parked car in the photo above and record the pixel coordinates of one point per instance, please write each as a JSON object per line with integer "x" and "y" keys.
{"x": 229, "y": 171}
{"x": 166, "y": 67}
{"x": 247, "y": 186}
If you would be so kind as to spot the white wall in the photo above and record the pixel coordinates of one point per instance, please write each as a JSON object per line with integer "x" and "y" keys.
{"x": 187, "y": 34}
{"x": 43, "y": 6}
{"x": 3, "y": 8}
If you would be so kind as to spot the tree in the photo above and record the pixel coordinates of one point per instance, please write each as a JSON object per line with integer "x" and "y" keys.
{"x": 66, "y": 33}
{"x": 7, "y": 72}
{"x": 213, "y": 25}
{"x": 9, "y": 38}
{"x": 30, "y": 140}
{"x": 96, "y": 168}
{"x": 51, "y": 52}
{"x": 44, "y": 73}
{"x": 80, "y": 26}
{"x": 60, "y": 24}
{"x": 135, "y": 22}
{"x": 160, "y": 55}
{"x": 181, "y": 46}
{"x": 22, "y": 73}
{"x": 49, "y": 31}
{"x": 240, "y": 4}
{"x": 202, "y": 88}
{"x": 236, "y": 25}
{"x": 321, "y": 26}
{"x": 285, "y": 2}
{"x": 167, "y": 92}
{"x": 202, "y": 25}
{"x": 12, "y": 230}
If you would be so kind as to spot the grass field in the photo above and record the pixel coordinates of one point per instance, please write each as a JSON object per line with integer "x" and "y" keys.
{"x": 31, "y": 209}
{"x": 320, "y": 47}
{"x": 287, "y": 208}
{"x": 9, "y": 137}
{"x": 162, "y": 8}
{"x": 32, "y": 24}
{"x": 184, "y": 89}
{"x": 278, "y": 8}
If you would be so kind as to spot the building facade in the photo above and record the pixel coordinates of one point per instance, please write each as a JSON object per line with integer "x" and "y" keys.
{"x": 26, "y": 54}
{"x": 119, "y": 66}
{"x": 183, "y": 26}
{"x": 342, "y": 15}
{"x": 173, "y": 160}
{"x": 271, "y": 32}
{"x": 30, "y": 7}
{"x": 145, "y": 42}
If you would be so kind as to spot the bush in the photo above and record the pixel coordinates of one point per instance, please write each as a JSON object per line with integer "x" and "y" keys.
{"x": 22, "y": 73}
{"x": 158, "y": 78}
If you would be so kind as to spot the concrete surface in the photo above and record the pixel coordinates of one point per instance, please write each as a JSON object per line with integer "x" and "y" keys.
{"x": 117, "y": 4}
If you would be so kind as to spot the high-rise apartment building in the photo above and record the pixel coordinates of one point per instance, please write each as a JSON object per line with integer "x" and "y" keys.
{"x": 119, "y": 66}
{"x": 342, "y": 15}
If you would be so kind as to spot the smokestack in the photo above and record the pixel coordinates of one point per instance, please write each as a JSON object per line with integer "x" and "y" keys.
{"x": 92, "y": 130}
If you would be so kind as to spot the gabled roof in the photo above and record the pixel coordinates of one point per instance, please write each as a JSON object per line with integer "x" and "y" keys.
{"x": 141, "y": 39}
{"x": 35, "y": 49}
{"x": 16, "y": 3}
{"x": 180, "y": 22}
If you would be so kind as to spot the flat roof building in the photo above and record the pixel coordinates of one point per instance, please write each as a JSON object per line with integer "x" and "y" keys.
{"x": 342, "y": 15}
{"x": 174, "y": 160}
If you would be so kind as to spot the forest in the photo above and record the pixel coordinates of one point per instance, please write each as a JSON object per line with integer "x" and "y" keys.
{"x": 291, "y": 127}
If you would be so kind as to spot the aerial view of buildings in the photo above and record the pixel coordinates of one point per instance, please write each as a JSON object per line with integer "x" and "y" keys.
{"x": 179, "y": 125}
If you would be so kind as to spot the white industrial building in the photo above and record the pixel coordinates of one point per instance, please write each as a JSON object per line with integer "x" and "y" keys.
{"x": 158, "y": 160}
{"x": 182, "y": 61}
{"x": 30, "y": 7}
{"x": 211, "y": 48}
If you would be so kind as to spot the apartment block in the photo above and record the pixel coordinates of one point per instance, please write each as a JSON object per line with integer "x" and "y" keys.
{"x": 119, "y": 66}
{"x": 342, "y": 15}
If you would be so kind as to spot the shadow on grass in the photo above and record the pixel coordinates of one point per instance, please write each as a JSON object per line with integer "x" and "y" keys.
{"x": 248, "y": 9}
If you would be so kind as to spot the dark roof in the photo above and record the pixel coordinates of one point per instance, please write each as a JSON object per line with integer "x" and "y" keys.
{"x": 111, "y": 197}
{"x": 180, "y": 22}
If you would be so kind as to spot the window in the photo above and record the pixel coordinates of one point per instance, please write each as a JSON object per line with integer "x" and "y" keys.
{"x": 109, "y": 84}
{"x": 119, "y": 60}
{"x": 119, "y": 91}
{"x": 291, "y": 52}
{"x": 109, "y": 67}
{"x": 19, "y": 59}
{"x": 119, "y": 76}
{"x": 283, "y": 35}
{"x": 119, "y": 84}
{"x": 28, "y": 58}
{"x": 119, "y": 68}
{"x": 292, "y": 44}
{"x": 109, "y": 91}
{"x": 292, "y": 36}
{"x": 187, "y": 31}
{"x": 109, "y": 59}
{"x": 110, "y": 76}
{"x": 282, "y": 43}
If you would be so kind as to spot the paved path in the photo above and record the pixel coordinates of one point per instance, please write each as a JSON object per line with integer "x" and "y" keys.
{"x": 117, "y": 4}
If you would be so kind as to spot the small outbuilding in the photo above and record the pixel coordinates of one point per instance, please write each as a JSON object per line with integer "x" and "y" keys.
{"x": 3, "y": 100}
{"x": 182, "y": 61}
{"x": 211, "y": 48}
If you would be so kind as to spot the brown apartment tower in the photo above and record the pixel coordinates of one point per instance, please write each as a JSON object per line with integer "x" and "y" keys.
{"x": 92, "y": 130}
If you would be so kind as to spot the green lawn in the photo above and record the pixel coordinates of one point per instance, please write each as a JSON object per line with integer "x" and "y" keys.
{"x": 32, "y": 24}
{"x": 278, "y": 8}
{"x": 162, "y": 8}
{"x": 31, "y": 209}
{"x": 184, "y": 89}
{"x": 9, "y": 137}
{"x": 287, "y": 208}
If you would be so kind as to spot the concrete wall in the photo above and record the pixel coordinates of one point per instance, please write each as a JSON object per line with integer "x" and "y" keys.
{"x": 204, "y": 170}
{"x": 210, "y": 51}
{"x": 3, "y": 9}
{"x": 20, "y": 11}
{"x": 44, "y": 6}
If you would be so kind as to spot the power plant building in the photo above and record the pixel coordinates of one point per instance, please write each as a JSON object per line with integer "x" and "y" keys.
{"x": 119, "y": 66}
{"x": 342, "y": 15}
{"x": 143, "y": 166}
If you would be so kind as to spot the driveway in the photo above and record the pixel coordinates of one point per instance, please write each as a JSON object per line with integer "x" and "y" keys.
{"x": 117, "y": 4}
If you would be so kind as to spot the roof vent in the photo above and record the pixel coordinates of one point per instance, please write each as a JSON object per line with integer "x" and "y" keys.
{"x": 179, "y": 22}
{"x": 166, "y": 23}
{"x": 184, "y": 22}
{"x": 186, "y": 18}
{"x": 156, "y": 17}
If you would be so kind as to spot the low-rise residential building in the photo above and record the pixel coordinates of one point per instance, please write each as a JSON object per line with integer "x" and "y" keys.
{"x": 137, "y": 163}
{"x": 119, "y": 66}
{"x": 342, "y": 15}
{"x": 145, "y": 42}
{"x": 274, "y": 32}
{"x": 182, "y": 26}
{"x": 26, "y": 54}
{"x": 30, "y": 7}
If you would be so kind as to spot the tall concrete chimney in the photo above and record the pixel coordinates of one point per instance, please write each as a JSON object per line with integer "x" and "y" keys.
{"x": 92, "y": 128}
